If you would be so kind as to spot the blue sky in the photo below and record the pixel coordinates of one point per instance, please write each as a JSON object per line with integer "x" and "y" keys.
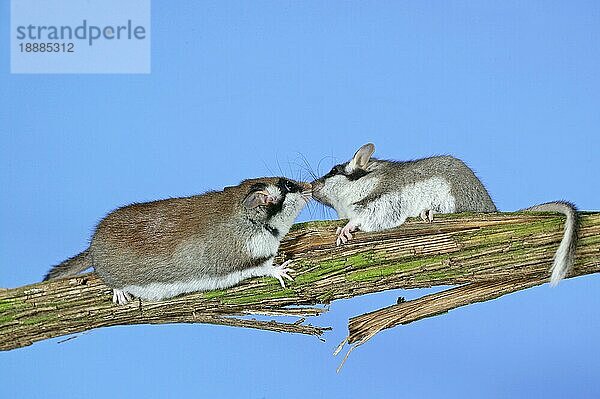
{"x": 238, "y": 90}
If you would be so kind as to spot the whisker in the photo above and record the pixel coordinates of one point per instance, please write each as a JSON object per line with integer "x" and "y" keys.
{"x": 308, "y": 167}
{"x": 305, "y": 169}
{"x": 330, "y": 157}
{"x": 323, "y": 211}
{"x": 291, "y": 171}
{"x": 311, "y": 208}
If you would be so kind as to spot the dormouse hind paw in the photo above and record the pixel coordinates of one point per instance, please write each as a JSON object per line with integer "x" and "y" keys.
{"x": 121, "y": 297}
{"x": 427, "y": 215}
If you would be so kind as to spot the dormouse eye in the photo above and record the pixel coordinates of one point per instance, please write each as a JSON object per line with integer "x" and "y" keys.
{"x": 336, "y": 170}
{"x": 289, "y": 186}
{"x": 357, "y": 174}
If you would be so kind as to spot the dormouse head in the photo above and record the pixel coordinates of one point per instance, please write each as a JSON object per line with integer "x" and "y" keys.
{"x": 275, "y": 201}
{"x": 347, "y": 183}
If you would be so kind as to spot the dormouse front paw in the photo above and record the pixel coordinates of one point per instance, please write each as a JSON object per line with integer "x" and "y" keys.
{"x": 345, "y": 234}
{"x": 281, "y": 271}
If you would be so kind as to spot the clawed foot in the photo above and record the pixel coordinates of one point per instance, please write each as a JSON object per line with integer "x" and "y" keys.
{"x": 427, "y": 215}
{"x": 121, "y": 297}
{"x": 281, "y": 271}
{"x": 344, "y": 234}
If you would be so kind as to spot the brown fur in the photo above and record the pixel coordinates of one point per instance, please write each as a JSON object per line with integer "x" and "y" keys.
{"x": 181, "y": 239}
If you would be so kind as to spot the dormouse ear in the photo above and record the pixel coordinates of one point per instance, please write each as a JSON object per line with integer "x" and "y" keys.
{"x": 362, "y": 156}
{"x": 258, "y": 198}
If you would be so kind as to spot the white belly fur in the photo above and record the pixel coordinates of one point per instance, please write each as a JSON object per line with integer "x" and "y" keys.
{"x": 392, "y": 209}
{"x": 262, "y": 245}
{"x": 156, "y": 291}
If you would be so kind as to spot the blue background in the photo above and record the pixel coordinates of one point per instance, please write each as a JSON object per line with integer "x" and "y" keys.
{"x": 237, "y": 88}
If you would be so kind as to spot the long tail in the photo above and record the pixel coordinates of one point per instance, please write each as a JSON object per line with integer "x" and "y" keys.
{"x": 71, "y": 266}
{"x": 565, "y": 255}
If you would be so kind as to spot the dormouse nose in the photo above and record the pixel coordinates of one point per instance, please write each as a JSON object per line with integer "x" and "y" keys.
{"x": 316, "y": 185}
{"x": 306, "y": 186}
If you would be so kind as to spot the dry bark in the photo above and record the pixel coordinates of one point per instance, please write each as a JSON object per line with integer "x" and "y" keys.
{"x": 362, "y": 328}
{"x": 491, "y": 253}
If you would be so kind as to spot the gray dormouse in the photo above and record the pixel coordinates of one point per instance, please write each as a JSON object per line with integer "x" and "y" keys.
{"x": 377, "y": 194}
{"x": 161, "y": 249}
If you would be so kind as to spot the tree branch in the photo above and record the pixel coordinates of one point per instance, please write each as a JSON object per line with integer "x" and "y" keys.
{"x": 454, "y": 250}
{"x": 364, "y": 327}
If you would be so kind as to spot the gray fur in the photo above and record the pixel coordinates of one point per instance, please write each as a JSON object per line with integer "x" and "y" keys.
{"x": 378, "y": 194}
{"x": 469, "y": 193}
{"x": 214, "y": 239}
